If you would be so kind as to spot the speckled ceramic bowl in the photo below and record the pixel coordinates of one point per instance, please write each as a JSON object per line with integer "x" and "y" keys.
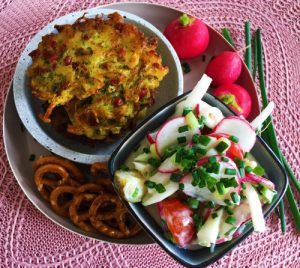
{"x": 28, "y": 107}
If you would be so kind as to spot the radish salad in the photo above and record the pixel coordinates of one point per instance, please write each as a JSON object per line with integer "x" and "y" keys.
{"x": 197, "y": 172}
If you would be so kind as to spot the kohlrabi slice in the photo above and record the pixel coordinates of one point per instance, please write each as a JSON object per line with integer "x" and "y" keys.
{"x": 208, "y": 233}
{"x": 195, "y": 96}
{"x": 255, "y": 208}
{"x": 153, "y": 196}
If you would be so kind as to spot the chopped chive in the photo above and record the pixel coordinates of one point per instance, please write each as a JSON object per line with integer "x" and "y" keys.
{"x": 234, "y": 139}
{"x": 183, "y": 129}
{"x": 229, "y": 210}
{"x": 227, "y": 36}
{"x": 235, "y": 198}
{"x": 135, "y": 193}
{"x": 185, "y": 67}
{"x": 196, "y": 138}
{"x": 242, "y": 172}
{"x": 247, "y": 155}
{"x": 210, "y": 204}
{"x": 230, "y": 220}
{"x": 124, "y": 167}
{"x": 225, "y": 159}
{"x": 229, "y": 182}
{"x": 215, "y": 168}
{"x": 221, "y": 147}
{"x": 146, "y": 150}
{"x": 199, "y": 150}
{"x": 220, "y": 187}
{"x": 230, "y": 171}
{"x": 32, "y": 157}
{"x": 212, "y": 159}
{"x": 258, "y": 170}
{"x": 154, "y": 162}
{"x": 181, "y": 186}
{"x": 248, "y": 169}
{"x": 214, "y": 215}
{"x": 248, "y": 46}
{"x": 202, "y": 121}
{"x": 186, "y": 110}
{"x": 244, "y": 186}
{"x": 211, "y": 181}
{"x": 181, "y": 139}
{"x": 240, "y": 163}
{"x": 150, "y": 184}
{"x": 160, "y": 188}
{"x": 175, "y": 177}
{"x": 204, "y": 140}
{"x": 227, "y": 202}
{"x": 202, "y": 183}
{"x": 198, "y": 221}
{"x": 193, "y": 202}
{"x": 196, "y": 177}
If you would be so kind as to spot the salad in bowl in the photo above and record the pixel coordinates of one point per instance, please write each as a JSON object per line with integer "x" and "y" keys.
{"x": 196, "y": 175}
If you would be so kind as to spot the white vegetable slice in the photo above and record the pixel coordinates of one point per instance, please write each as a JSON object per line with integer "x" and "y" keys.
{"x": 143, "y": 157}
{"x": 208, "y": 233}
{"x": 196, "y": 94}
{"x": 257, "y": 122}
{"x": 240, "y": 128}
{"x": 213, "y": 116}
{"x": 169, "y": 165}
{"x": 153, "y": 196}
{"x": 143, "y": 168}
{"x": 168, "y": 134}
{"x": 255, "y": 208}
{"x": 131, "y": 185}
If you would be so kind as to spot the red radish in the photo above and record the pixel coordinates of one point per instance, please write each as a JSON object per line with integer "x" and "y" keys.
{"x": 168, "y": 134}
{"x": 225, "y": 68}
{"x": 258, "y": 179}
{"x": 189, "y": 36}
{"x": 240, "y": 128}
{"x": 197, "y": 110}
{"x": 178, "y": 217}
{"x": 234, "y": 150}
{"x": 236, "y": 97}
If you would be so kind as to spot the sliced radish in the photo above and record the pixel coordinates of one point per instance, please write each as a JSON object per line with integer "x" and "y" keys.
{"x": 169, "y": 165}
{"x": 152, "y": 196}
{"x": 240, "y": 128}
{"x": 208, "y": 233}
{"x": 151, "y": 137}
{"x": 197, "y": 110}
{"x": 252, "y": 178}
{"x": 255, "y": 208}
{"x": 196, "y": 94}
{"x": 258, "y": 121}
{"x": 168, "y": 134}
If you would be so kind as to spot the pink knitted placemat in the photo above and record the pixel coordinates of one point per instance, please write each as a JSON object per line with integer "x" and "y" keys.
{"x": 28, "y": 239}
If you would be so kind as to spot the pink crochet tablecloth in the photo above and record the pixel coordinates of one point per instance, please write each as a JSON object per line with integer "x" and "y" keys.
{"x": 28, "y": 239}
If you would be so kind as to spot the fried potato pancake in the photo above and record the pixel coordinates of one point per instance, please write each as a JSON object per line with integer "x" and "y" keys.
{"x": 103, "y": 72}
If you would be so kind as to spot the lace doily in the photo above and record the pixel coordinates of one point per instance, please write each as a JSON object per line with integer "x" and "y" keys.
{"x": 28, "y": 239}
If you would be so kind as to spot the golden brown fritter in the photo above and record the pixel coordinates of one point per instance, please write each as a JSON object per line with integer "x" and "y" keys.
{"x": 104, "y": 73}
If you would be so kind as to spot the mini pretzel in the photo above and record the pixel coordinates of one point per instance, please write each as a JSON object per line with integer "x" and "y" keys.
{"x": 74, "y": 171}
{"x": 61, "y": 198}
{"x": 47, "y": 177}
{"x": 79, "y": 208}
{"x": 109, "y": 216}
{"x": 100, "y": 174}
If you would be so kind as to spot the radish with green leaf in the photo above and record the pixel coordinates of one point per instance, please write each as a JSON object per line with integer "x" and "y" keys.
{"x": 188, "y": 35}
{"x": 236, "y": 97}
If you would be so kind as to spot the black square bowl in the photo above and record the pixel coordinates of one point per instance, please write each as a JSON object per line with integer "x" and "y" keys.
{"x": 200, "y": 257}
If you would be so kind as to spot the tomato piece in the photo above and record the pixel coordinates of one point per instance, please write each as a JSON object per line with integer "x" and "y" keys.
{"x": 234, "y": 150}
{"x": 178, "y": 217}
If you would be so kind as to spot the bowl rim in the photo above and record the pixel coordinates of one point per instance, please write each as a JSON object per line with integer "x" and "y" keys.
{"x": 27, "y": 116}
{"x": 239, "y": 239}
